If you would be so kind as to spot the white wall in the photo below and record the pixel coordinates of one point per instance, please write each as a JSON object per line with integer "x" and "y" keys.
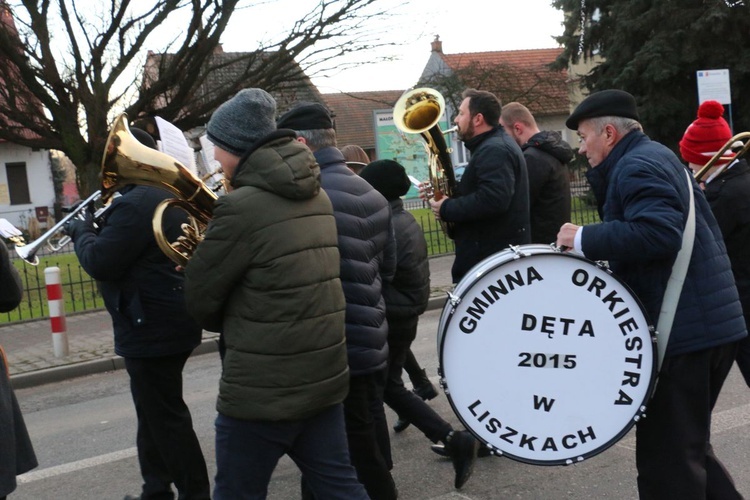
{"x": 39, "y": 174}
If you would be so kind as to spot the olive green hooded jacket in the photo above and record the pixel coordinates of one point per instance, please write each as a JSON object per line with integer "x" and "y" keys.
{"x": 267, "y": 276}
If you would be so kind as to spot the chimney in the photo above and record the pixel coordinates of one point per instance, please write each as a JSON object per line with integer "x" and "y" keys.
{"x": 437, "y": 45}
{"x": 219, "y": 49}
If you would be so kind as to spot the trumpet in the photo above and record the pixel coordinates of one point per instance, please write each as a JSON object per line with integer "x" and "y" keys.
{"x": 28, "y": 251}
{"x": 721, "y": 154}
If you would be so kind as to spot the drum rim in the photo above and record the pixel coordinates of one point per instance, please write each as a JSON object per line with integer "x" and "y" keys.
{"x": 526, "y": 251}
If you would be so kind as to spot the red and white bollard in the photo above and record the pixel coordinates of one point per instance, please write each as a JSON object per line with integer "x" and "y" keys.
{"x": 56, "y": 311}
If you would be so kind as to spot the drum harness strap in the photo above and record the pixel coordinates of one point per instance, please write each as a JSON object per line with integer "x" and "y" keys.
{"x": 676, "y": 280}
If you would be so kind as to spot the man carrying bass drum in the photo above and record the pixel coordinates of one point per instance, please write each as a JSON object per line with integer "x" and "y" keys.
{"x": 644, "y": 196}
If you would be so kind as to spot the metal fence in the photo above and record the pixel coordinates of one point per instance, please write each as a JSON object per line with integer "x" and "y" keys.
{"x": 81, "y": 292}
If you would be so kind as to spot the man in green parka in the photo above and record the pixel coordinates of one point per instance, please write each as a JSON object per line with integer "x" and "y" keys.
{"x": 267, "y": 277}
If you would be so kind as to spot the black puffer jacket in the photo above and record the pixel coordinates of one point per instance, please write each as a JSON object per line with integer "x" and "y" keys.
{"x": 368, "y": 257}
{"x": 407, "y": 295}
{"x": 546, "y": 157}
{"x": 141, "y": 288}
{"x": 729, "y": 197}
{"x": 491, "y": 207}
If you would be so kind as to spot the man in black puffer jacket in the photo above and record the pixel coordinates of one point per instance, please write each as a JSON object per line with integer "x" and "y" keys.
{"x": 368, "y": 257}
{"x": 153, "y": 332}
{"x": 546, "y": 157}
{"x": 490, "y": 209}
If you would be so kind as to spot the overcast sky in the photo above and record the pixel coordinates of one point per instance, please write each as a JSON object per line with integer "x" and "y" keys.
{"x": 463, "y": 26}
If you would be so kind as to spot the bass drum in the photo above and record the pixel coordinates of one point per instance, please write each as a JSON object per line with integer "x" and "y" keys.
{"x": 547, "y": 358}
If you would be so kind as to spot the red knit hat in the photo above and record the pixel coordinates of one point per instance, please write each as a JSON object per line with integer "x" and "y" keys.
{"x": 706, "y": 135}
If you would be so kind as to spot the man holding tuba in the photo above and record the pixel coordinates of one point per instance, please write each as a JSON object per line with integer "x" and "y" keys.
{"x": 490, "y": 209}
{"x": 143, "y": 293}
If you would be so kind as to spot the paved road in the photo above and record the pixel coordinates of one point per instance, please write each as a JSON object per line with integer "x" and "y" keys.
{"x": 84, "y": 428}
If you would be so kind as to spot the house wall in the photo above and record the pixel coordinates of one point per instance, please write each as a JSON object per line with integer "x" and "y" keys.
{"x": 557, "y": 122}
{"x": 40, "y": 184}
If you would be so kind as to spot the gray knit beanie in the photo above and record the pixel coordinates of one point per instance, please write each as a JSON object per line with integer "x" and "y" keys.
{"x": 240, "y": 122}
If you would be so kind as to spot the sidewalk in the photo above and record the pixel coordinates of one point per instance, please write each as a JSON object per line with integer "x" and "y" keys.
{"x": 30, "y": 352}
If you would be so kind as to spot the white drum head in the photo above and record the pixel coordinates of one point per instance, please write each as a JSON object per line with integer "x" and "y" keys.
{"x": 548, "y": 358}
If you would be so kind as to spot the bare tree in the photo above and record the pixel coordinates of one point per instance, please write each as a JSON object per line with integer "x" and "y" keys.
{"x": 63, "y": 67}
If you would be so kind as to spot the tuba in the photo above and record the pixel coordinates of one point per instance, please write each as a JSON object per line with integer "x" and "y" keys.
{"x": 127, "y": 161}
{"x": 418, "y": 111}
{"x": 742, "y": 137}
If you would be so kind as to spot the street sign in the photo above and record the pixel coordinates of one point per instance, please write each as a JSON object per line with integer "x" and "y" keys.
{"x": 713, "y": 84}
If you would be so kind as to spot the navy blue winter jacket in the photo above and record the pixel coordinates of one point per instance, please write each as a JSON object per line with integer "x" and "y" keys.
{"x": 643, "y": 198}
{"x": 368, "y": 256}
{"x": 141, "y": 288}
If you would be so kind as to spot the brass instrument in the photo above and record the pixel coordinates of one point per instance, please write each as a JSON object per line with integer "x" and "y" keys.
{"x": 743, "y": 137}
{"x": 219, "y": 185}
{"x": 127, "y": 161}
{"x": 28, "y": 251}
{"x": 418, "y": 111}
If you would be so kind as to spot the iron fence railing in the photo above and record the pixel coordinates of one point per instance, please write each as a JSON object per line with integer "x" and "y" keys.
{"x": 81, "y": 292}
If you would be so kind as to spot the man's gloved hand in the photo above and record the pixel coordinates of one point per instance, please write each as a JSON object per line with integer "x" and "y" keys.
{"x": 82, "y": 222}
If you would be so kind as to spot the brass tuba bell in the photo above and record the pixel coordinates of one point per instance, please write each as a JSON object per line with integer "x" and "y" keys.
{"x": 127, "y": 161}
{"x": 418, "y": 111}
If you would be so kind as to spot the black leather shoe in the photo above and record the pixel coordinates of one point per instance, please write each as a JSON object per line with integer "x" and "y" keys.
{"x": 462, "y": 447}
{"x": 425, "y": 389}
{"x": 401, "y": 425}
{"x": 439, "y": 449}
{"x": 131, "y": 497}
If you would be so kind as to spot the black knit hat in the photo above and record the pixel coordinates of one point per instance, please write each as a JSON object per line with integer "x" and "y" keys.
{"x": 241, "y": 121}
{"x": 388, "y": 177}
{"x": 604, "y": 103}
{"x": 306, "y": 116}
{"x": 143, "y": 137}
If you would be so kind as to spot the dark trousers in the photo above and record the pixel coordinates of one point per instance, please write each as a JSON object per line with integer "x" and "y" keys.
{"x": 247, "y": 452}
{"x": 743, "y": 353}
{"x": 168, "y": 449}
{"x": 405, "y": 403}
{"x": 365, "y": 426}
{"x": 674, "y": 456}
{"x": 416, "y": 375}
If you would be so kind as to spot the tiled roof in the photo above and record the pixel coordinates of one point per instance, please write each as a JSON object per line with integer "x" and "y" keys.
{"x": 530, "y": 73}
{"x": 354, "y": 114}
